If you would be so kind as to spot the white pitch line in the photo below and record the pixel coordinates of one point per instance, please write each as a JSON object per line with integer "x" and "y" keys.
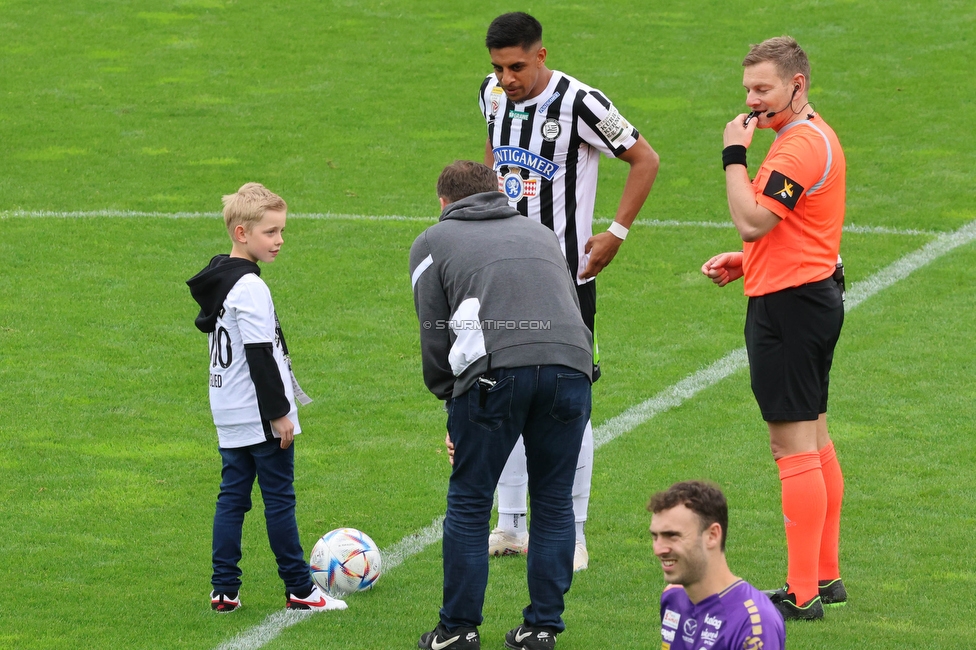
{"x": 637, "y": 415}
{"x": 913, "y": 261}
{"x": 884, "y": 230}
{"x": 737, "y": 359}
{"x": 652, "y": 223}
{"x": 133, "y": 214}
{"x": 669, "y": 398}
{"x": 264, "y": 633}
{"x": 412, "y": 544}
{"x": 725, "y": 225}
{"x": 273, "y": 625}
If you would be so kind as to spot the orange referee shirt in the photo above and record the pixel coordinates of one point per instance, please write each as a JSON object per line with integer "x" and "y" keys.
{"x": 803, "y": 182}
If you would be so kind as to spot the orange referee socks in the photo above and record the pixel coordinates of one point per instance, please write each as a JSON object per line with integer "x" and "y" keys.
{"x": 804, "y": 510}
{"x": 830, "y": 544}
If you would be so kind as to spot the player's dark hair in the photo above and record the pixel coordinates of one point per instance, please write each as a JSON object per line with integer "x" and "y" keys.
{"x": 514, "y": 29}
{"x": 462, "y": 178}
{"x": 704, "y": 499}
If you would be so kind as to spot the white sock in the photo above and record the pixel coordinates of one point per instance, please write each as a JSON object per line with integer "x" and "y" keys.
{"x": 514, "y": 523}
{"x": 513, "y": 485}
{"x": 582, "y": 482}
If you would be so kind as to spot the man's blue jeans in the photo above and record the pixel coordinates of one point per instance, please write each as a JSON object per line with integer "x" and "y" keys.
{"x": 549, "y": 406}
{"x": 275, "y": 471}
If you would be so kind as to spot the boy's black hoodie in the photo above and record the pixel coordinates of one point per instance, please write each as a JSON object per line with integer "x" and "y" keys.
{"x": 210, "y": 286}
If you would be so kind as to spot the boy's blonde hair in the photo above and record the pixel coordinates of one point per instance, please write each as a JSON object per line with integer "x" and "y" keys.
{"x": 247, "y": 206}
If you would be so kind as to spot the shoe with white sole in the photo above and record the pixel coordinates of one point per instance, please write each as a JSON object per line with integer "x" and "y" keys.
{"x": 440, "y": 639}
{"x": 502, "y": 542}
{"x": 581, "y": 559}
{"x": 316, "y": 601}
{"x": 223, "y": 602}
{"x": 525, "y": 637}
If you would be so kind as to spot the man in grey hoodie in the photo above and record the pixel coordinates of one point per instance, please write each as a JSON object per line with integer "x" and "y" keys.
{"x": 503, "y": 343}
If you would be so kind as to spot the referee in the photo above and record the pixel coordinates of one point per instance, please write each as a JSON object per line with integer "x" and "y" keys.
{"x": 790, "y": 218}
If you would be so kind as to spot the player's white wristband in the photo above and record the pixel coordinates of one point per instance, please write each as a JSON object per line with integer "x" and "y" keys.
{"x": 619, "y": 231}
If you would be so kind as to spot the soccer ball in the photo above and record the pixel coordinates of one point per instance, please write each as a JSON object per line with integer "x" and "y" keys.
{"x": 345, "y": 561}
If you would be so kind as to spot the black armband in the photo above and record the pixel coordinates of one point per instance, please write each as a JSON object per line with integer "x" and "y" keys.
{"x": 734, "y": 154}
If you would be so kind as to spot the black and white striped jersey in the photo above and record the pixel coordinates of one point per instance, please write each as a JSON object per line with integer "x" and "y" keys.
{"x": 546, "y": 152}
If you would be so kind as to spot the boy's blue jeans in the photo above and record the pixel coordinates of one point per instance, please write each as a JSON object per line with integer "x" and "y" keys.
{"x": 549, "y": 406}
{"x": 275, "y": 471}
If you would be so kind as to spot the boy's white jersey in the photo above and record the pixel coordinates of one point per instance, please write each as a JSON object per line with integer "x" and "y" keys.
{"x": 546, "y": 152}
{"x": 247, "y": 317}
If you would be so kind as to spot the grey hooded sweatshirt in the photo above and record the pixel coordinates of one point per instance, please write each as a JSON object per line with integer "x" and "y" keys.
{"x": 491, "y": 286}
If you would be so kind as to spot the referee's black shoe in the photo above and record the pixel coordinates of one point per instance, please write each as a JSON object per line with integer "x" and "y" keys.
{"x": 462, "y": 638}
{"x": 832, "y": 593}
{"x": 785, "y": 603}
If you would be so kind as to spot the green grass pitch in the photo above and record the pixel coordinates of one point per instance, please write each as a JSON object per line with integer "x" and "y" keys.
{"x": 108, "y": 460}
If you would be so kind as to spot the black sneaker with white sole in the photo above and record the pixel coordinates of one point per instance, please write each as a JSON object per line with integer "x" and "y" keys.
{"x": 439, "y": 638}
{"x": 224, "y": 602}
{"x": 525, "y": 637}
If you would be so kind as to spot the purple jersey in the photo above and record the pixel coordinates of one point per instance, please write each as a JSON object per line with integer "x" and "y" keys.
{"x": 739, "y": 618}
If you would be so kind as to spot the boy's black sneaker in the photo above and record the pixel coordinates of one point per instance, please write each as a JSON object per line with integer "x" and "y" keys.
{"x": 465, "y": 638}
{"x": 224, "y": 603}
{"x": 785, "y": 603}
{"x": 832, "y": 593}
{"x": 525, "y": 637}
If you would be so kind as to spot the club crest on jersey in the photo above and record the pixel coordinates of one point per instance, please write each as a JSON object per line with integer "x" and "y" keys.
{"x": 518, "y": 157}
{"x": 550, "y": 130}
{"x": 496, "y": 99}
{"x": 515, "y": 187}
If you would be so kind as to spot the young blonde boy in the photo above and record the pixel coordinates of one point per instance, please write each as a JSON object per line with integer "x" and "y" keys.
{"x": 252, "y": 400}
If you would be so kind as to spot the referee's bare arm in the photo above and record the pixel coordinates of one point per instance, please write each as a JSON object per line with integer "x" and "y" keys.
{"x": 751, "y": 219}
{"x": 644, "y": 163}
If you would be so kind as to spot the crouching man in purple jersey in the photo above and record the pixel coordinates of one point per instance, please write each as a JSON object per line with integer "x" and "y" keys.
{"x": 715, "y": 610}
